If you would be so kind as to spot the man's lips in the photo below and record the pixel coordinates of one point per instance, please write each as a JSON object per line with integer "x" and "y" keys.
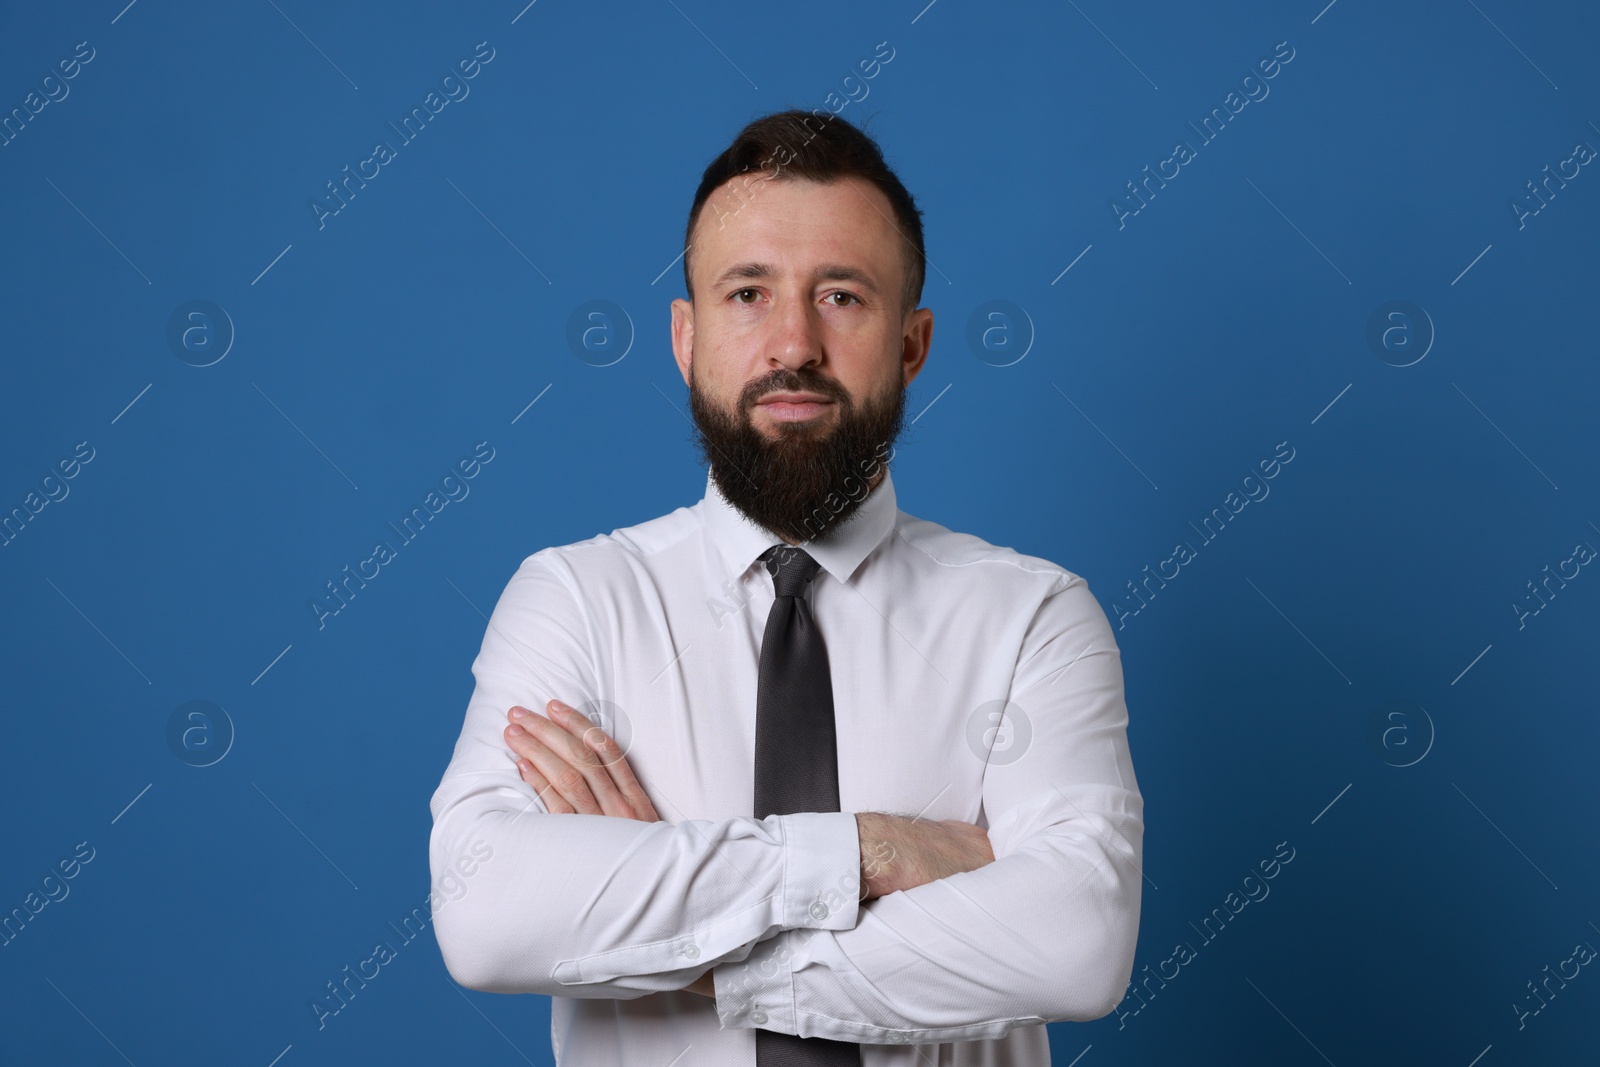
{"x": 787, "y": 407}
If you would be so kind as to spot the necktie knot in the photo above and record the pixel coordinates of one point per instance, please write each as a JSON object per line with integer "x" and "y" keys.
{"x": 791, "y": 568}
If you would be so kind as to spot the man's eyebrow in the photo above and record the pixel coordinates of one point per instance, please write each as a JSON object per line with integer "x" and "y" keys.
{"x": 832, "y": 272}
{"x": 839, "y": 272}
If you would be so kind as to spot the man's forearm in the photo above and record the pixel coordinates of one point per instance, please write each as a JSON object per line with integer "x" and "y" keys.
{"x": 900, "y": 853}
{"x": 632, "y": 905}
{"x": 892, "y": 852}
{"x": 1044, "y": 934}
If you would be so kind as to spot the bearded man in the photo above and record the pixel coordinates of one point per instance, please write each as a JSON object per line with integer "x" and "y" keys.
{"x": 791, "y": 777}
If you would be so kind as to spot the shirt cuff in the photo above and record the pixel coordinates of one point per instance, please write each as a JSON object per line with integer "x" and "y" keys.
{"x": 822, "y": 869}
{"x": 758, "y": 991}
{"x": 821, "y": 891}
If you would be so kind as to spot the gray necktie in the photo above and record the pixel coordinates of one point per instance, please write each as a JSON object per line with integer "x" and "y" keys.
{"x": 797, "y": 762}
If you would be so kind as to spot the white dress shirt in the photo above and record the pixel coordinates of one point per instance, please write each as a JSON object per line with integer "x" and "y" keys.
{"x": 655, "y": 632}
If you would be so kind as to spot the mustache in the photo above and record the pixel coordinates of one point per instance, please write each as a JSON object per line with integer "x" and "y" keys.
{"x": 793, "y": 381}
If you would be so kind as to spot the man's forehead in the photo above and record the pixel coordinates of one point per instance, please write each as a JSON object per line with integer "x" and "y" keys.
{"x": 756, "y": 231}
{"x": 764, "y": 193}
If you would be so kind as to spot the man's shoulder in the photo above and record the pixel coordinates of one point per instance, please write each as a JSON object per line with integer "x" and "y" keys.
{"x": 608, "y": 552}
{"x": 971, "y": 554}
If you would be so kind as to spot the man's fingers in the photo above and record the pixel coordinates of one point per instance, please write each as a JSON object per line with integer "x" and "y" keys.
{"x": 561, "y": 780}
{"x": 582, "y": 729}
{"x": 558, "y": 766}
{"x": 572, "y": 767}
{"x": 553, "y": 802}
{"x": 599, "y": 758}
{"x": 576, "y": 763}
{"x": 614, "y": 760}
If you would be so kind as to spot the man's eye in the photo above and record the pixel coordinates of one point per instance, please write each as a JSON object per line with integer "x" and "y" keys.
{"x": 841, "y": 292}
{"x": 740, "y": 293}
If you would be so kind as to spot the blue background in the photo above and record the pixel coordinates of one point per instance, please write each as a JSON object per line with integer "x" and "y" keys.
{"x": 1344, "y": 668}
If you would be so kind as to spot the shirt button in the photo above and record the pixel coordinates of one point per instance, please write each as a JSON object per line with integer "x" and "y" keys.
{"x": 690, "y": 951}
{"x": 758, "y": 1017}
{"x": 819, "y": 910}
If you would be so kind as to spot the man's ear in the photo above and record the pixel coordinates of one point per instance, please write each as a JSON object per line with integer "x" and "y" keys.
{"x": 914, "y": 344}
{"x": 683, "y": 336}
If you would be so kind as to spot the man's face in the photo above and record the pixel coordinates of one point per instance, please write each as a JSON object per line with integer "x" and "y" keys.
{"x": 796, "y": 350}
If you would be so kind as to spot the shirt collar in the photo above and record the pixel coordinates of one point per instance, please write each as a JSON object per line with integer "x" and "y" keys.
{"x": 839, "y": 550}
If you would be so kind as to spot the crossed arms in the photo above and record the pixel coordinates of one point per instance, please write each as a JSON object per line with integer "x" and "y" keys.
{"x": 617, "y": 903}
{"x": 577, "y": 769}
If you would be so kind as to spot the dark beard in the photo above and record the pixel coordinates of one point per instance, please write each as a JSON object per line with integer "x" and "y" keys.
{"x": 811, "y": 478}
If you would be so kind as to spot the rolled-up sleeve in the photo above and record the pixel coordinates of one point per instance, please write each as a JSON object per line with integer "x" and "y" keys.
{"x": 591, "y": 905}
{"x": 1044, "y": 933}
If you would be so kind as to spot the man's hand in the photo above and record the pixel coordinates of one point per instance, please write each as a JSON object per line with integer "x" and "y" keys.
{"x": 574, "y": 766}
{"x": 900, "y": 853}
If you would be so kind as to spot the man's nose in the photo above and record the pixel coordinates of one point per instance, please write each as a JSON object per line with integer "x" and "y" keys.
{"x": 796, "y": 333}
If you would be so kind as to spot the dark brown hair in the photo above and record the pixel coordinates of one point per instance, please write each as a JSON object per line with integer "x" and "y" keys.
{"x": 799, "y": 144}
